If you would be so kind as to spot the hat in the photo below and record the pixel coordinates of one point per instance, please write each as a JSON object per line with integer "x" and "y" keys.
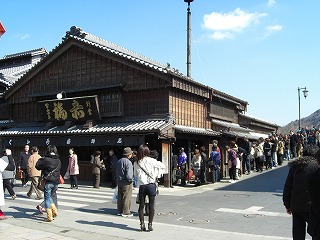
{"x": 127, "y": 151}
{"x": 154, "y": 154}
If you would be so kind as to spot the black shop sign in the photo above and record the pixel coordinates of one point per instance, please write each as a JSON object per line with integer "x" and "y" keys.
{"x": 70, "y": 109}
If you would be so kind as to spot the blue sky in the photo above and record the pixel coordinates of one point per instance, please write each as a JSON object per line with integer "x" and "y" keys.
{"x": 260, "y": 51}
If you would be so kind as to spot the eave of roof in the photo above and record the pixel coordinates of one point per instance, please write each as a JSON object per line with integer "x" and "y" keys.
{"x": 112, "y": 127}
{"x": 258, "y": 120}
{"x": 193, "y": 130}
{"x": 233, "y": 126}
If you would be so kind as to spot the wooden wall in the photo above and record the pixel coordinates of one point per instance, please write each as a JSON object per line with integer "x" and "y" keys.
{"x": 188, "y": 109}
{"x": 122, "y": 90}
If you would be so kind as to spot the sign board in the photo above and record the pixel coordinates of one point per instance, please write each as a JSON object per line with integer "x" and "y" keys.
{"x": 70, "y": 109}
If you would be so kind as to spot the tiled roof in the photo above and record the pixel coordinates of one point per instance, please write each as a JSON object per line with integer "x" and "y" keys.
{"x": 11, "y": 69}
{"x": 232, "y": 126}
{"x": 193, "y": 130}
{"x": 258, "y": 135}
{"x": 258, "y": 119}
{"x": 238, "y": 134}
{"x": 5, "y": 122}
{"x": 113, "y": 127}
{"x": 80, "y": 35}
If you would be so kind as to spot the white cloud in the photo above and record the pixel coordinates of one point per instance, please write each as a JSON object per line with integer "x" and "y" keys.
{"x": 25, "y": 36}
{"x": 274, "y": 28}
{"x": 222, "y": 35}
{"x": 271, "y": 3}
{"x": 225, "y": 25}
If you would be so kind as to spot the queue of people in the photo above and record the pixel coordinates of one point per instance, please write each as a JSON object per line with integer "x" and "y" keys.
{"x": 301, "y": 186}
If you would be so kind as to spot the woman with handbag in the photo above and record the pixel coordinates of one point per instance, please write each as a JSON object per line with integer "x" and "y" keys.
{"x": 50, "y": 166}
{"x": 3, "y": 166}
{"x": 147, "y": 170}
{"x": 9, "y": 173}
{"x": 73, "y": 168}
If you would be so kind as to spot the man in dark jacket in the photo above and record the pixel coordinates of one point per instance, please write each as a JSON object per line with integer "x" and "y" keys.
{"x": 293, "y": 144}
{"x": 113, "y": 165}
{"x": 313, "y": 187}
{"x": 203, "y": 165}
{"x": 246, "y": 162}
{"x": 50, "y": 165}
{"x": 125, "y": 179}
{"x": 296, "y": 197}
{"x": 23, "y": 165}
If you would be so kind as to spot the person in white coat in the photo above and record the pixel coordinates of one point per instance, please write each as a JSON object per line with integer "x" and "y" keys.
{"x": 147, "y": 170}
{"x": 3, "y": 165}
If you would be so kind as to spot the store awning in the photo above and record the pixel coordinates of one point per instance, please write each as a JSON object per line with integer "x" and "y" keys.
{"x": 129, "y": 133}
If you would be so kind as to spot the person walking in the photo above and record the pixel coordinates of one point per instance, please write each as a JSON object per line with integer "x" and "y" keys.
{"x": 3, "y": 166}
{"x": 280, "y": 152}
{"x": 50, "y": 166}
{"x": 246, "y": 162}
{"x": 182, "y": 165}
{"x": 296, "y": 197}
{"x": 293, "y": 143}
{"x": 232, "y": 163}
{"x": 34, "y": 173}
{"x": 96, "y": 168}
{"x": 196, "y": 166}
{"x": 73, "y": 168}
{"x": 148, "y": 170}
{"x": 113, "y": 166}
{"x": 274, "y": 149}
{"x": 268, "y": 153}
{"x": 125, "y": 183}
{"x": 203, "y": 167}
{"x": 9, "y": 173}
{"x": 23, "y": 165}
{"x": 174, "y": 167}
{"x": 215, "y": 164}
{"x": 313, "y": 188}
{"x": 259, "y": 155}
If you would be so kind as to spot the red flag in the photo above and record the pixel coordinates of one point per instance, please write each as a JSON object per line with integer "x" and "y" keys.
{"x": 2, "y": 30}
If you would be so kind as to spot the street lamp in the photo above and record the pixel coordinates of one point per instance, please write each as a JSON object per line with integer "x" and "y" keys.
{"x": 188, "y": 38}
{"x": 60, "y": 95}
{"x": 305, "y": 94}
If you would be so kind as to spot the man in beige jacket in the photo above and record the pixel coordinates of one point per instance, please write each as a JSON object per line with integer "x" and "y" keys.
{"x": 33, "y": 173}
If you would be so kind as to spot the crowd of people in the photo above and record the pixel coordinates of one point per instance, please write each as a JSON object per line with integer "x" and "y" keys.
{"x": 139, "y": 169}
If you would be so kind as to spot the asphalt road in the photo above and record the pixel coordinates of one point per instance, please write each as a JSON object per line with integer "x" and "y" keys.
{"x": 248, "y": 209}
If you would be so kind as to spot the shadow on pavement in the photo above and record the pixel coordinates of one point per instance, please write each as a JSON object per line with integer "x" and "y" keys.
{"x": 108, "y": 211}
{"x": 24, "y": 213}
{"x": 108, "y": 224}
{"x": 268, "y": 181}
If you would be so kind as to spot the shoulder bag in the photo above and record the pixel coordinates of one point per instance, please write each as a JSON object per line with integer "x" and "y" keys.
{"x": 43, "y": 179}
{"x": 155, "y": 181}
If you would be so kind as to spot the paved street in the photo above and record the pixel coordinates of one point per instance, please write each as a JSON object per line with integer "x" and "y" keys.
{"x": 248, "y": 209}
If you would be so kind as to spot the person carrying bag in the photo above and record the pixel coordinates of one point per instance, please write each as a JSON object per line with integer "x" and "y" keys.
{"x": 147, "y": 170}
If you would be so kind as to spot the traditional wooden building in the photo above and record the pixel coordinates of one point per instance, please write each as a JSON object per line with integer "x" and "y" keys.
{"x": 109, "y": 98}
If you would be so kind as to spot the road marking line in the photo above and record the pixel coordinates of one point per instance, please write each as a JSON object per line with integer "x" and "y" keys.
{"x": 86, "y": 191}
{"x": 252, "y": 210}
{"x": 91, "y": 200}
{"x": 60, "y": 203}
